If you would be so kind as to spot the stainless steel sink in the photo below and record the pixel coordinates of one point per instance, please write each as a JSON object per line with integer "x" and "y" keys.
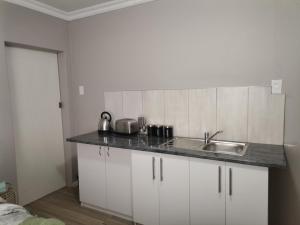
{"x": 231, "y": 148}
{"x": 222, "y": 147}
{"x": 185, "y": 143}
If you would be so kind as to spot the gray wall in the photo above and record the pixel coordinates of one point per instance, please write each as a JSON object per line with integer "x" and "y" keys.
{"x": 24, "y": 26}
{"x": 169, "y": 44}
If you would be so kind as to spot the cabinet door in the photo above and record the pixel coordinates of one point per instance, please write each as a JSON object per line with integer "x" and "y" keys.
{"x": 207, "y": 192}
{"x": 145, "y": 180}
{"x": 174, "y": 190}
{"x": 118, "y": 180}
{"x": 91, "y": 169}
{"x": 247, "y": 195}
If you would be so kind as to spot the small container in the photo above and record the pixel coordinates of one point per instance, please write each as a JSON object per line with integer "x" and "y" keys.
{"x": 151, "y": 130}
{"x": 142, "y": 124}
{"x": 159, "y": 131}
{"x": 168, "y": 131}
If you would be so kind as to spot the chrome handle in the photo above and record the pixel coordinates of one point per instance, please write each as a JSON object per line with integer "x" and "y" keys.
{"x": 230, "y": 182}
{"x": 153, "y": 168}
{"x": 161, "y": 170}
{"x": 107, "y": 152}
{"x": 100, "y": 151}
{"x": 220, "y": 171}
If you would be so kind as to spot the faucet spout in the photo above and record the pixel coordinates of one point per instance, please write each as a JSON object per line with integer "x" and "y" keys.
{"x": 208, "y": 138}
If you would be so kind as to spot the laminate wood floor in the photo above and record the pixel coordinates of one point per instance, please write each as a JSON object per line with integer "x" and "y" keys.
{"x": 64, "y": 205}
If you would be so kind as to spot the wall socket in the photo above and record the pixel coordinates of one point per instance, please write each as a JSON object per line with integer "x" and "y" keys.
{"x": 276, "y": 86}
{"x": 81, "y": 90}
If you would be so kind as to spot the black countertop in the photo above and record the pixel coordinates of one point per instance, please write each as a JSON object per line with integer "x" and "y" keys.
{"x": 257, "y": 154}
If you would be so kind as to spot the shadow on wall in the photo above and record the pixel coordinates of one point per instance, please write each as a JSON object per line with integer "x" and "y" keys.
{"x": 284, "y": 188}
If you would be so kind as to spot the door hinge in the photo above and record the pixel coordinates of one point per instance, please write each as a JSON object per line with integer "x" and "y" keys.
{"x": 60, "y": 105}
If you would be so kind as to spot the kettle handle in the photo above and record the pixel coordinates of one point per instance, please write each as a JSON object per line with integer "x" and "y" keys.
{"x": 106, "y": 113}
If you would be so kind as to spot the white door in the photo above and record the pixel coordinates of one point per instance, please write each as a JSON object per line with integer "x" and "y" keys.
{"x": 247, "y": 195}
{"x": 174, "y": 190}
{"x": 207, "y": 192}
{"x": 118, "y": 180}
{"x": 35, "y": 94}
{"x": 145, "y": 180}
{"x": 92, "y": 176}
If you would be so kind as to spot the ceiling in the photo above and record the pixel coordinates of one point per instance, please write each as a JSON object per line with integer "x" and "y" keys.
{"x": 71, "y": 5}
{"x": 75, "y": 9}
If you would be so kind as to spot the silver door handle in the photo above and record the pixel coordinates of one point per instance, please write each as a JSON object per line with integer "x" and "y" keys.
{"x": 161, "y": 170}
{"x": 107, "y": 152}
{"x": 100, "y": 151}
{"x": 230, "y": 181}
{"x": 153, "y": 168}
{"x": 219, "y": 180}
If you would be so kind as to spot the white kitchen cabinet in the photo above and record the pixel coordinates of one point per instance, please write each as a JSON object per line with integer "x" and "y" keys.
{"x": 174, "y": 190}
{"x": 118, "y": 180}
{"x": 207, "y": 192}
{"x": 145, "y": 181}
{"x": 92, "y": 175}
{"x": 246, "y": 195}
{"x": 105, "y": 178}
{"x": 160, "y": 189}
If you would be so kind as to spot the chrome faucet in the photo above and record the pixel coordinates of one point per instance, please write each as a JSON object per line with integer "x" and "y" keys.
{"x": 208, "y": 138}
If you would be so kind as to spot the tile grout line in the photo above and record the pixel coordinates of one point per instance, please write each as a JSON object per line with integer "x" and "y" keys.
{"x": 248, "y": 107}
{"x": 216, "y": 116}
{"x": 188, "y": 111}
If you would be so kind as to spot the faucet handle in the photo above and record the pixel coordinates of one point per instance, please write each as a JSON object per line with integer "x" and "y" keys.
{"x": 220, "y": 132}
{"x": 206, "y": 135}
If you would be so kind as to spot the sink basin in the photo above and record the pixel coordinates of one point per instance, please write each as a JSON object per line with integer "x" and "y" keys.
{"x": 222, "y": 147}
{"x": 231, "y": 148}
{"x": 185, "y": 143}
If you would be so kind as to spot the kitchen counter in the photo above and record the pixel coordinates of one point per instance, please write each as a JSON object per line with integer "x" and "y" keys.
{"x": 257, "y": 154}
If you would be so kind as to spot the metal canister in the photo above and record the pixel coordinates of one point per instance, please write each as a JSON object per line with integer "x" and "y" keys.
{"x": 159, "y": 131}
{"x": 151, "y": 130}
{"x": 168, "y": 131}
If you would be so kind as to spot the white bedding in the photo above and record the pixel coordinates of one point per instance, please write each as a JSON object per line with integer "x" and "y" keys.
{"x": 11, "y": 214}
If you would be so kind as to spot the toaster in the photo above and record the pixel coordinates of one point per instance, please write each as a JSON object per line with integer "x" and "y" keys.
{"x": 126, "y": 126}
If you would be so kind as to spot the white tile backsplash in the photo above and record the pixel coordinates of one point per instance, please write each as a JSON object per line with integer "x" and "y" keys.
{"x": 202, "y": 112}
{"x": 114, "y": 105}
{"x": 266, "y": 116}
{"x": 176, "y": 111}
{"x": 244, "y": 114}
{"x": 154, "y": 106}
{"x": 232, "y": 113}
{"x": 132, "y": 104}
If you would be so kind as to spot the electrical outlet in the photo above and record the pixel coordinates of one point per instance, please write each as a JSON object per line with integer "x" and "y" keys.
{"x": 81, "y": 90}
{"x": 276, "y": 86}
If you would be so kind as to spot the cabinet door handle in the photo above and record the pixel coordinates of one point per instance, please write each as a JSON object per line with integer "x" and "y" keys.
{"x": 153, "y": 168}
{"x": 100, "y": 151}
{"x": 161, "y": 170}
{"x": 230, "y": 181}
{"x": 219, "y": 180}
{"x": 108, "y": 151}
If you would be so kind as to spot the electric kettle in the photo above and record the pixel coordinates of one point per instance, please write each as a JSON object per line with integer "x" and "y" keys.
{"x": 104, "y": 123}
